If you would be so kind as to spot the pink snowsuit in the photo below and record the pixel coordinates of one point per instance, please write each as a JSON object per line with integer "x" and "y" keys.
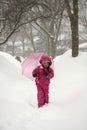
{"x": 42, "y": 83}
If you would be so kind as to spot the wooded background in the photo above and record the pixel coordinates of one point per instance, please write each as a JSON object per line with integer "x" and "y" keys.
{"x": 49, "y": 26}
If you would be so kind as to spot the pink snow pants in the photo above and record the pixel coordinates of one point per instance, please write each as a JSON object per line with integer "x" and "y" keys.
{"x": 42, "y": 94}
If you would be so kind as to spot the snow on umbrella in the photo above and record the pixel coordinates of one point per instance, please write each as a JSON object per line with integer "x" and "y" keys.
{"x": 30, "y": 63}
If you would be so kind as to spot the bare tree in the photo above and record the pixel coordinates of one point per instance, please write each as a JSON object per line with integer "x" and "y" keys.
{"x": 46, "y": 17}
{"x": 83, "y": 14}
{"x": 51, "y": 25}
{"x": 73, "y": 16}
{"x": 16, "y": 14}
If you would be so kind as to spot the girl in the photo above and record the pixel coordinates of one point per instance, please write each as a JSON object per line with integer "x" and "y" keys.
{"x": 43, "y": 74}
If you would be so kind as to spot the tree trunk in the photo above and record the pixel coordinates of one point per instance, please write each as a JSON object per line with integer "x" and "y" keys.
{"x": 75, "y": 40}
{"x": 31, "y": 38}
{"x": 13, "y": 49}
{"x": 74, "y": 26}
{"x": 23, "y": 48}
{"x": 48, "y": 46}
{"x": 53, "y": 50}
{"x": 74, "y": 29}
{"x": 51, "y": 30}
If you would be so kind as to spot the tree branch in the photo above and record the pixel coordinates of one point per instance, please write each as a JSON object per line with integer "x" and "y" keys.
{"x": 68, "y": 8}
{"x": 18, "y": 26}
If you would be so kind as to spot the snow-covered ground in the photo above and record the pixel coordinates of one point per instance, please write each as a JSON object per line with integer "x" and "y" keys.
{"x": 67, "y": 109}
{"x": 83, "y": 47}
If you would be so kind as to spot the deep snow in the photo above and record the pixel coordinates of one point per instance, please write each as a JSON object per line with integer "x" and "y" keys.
{"x": 68, "y": 96}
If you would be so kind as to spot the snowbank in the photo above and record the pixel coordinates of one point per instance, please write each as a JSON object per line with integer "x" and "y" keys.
{"x": 68, "y": 96}
{"x": 83, "y": 47}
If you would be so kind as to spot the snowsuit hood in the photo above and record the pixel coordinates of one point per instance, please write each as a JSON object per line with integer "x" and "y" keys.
{"x": 46, "y": 58}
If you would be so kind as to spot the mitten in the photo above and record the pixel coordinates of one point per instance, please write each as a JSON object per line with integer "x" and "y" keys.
{"x": 46, "y": 74}
{"x": 35, "y": 74}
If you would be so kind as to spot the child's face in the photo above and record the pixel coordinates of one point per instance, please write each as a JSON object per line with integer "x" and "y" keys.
{"x": 45, "y": 64}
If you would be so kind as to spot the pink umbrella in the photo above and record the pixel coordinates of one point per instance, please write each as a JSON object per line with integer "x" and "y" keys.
{"x": 30, "y": 63}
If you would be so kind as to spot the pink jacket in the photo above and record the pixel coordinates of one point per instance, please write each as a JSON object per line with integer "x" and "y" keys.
{"x": 41, "y": 78}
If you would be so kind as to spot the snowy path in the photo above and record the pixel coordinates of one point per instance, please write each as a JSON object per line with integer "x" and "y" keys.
{"x": 67, "y": 109}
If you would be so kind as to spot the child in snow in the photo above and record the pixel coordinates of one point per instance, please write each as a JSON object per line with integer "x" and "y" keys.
{"x": 43, "y": 74}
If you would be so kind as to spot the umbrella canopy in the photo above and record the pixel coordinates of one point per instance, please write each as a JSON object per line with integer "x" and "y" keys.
{"x": 30, "y": 63}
